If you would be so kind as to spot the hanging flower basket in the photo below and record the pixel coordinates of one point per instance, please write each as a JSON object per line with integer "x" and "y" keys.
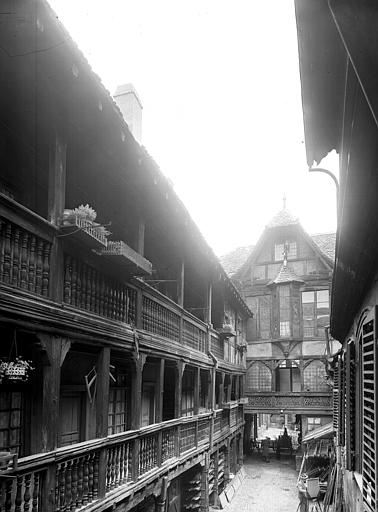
{"x": 16, "y": 370}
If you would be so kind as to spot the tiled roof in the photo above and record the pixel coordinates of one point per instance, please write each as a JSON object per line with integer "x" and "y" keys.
{"x": 282, "y": 218}
{"x": 286, "y": 275}
{"x": 233, "y": 260}
{"x": 326, "y": 243}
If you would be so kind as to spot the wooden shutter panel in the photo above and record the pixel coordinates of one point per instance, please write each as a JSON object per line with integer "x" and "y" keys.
{"x": 369, "y": 413}
{"x": 341, "y": 414}
{"x": 350, "y": 405}
{"x": 335, "y": 397}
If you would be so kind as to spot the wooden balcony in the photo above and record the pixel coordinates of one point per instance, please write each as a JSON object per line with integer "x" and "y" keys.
{"x": 84, "y": 231}
{"x": 109, "y": 469}
{"x": 304, "y": 402}
{"x": 122, "y": 255}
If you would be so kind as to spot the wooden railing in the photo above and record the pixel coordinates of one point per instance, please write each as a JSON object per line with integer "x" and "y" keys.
{"x": 160, "y": 319}
{"x": 86, "y": 288}
{"x": 75, "y": 476}
{"x": 24, "y": 259}
{"x": 194, "y": 335}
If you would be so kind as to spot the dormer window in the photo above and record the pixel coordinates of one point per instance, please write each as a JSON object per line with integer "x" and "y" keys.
{"x": 279, "y": 250}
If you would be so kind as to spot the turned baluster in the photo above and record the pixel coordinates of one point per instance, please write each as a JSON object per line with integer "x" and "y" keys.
{"x": 68, "y": 493}
{"x": 80, "y": 476}
{"x": 35, "y": 500}
{"x": 27, "y": 494}
{"x": 38, "y": 267}
{"x": 119, "y": 302}
{"x": 102, "y": 295}
{"x": 89, "y": 289}
{"x": 96, "y": 468}
{"x": 18, "y": 500}
{"x": 31, "y": 273}
{"x": 108, "y": 470}
{"x": 8, "y": 495}
{"x": 46, "y": 268}
{"x": 73, "y": 282}
{"x": 16, "y": 257}
{"x": 2, "y": 237}
{"x": 78, "y": 284}
{"x": 93, "y": 291}
{"x": 106, "y": 298}
{"x": 112, "y": 468}
{"x": 90, "y": 477}
{"x": 96, "y": 292}
{"x": 7, "y": 254}
{"x": 85, "y": 480}
{"x": 112, "y": 301}
{"x": 122, "y": 463}
{"x": 118, "y": 465}
{"x": 62, "y": 487}
{"x": 84, "y": 286}
{"x": 123, "y": 311}
{"x": 74, "y": 482}
{"x": 67, "y": 280}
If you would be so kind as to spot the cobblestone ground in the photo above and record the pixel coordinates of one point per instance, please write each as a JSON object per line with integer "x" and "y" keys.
{"x": 268, "y": 487}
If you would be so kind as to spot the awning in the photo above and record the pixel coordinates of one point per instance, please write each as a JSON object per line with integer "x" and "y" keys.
{"x": 325, "y": 431}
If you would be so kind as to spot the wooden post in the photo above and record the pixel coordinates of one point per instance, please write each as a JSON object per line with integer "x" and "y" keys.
{"x": 205, "y": 483}
{"x": 57, "y": 179}
{"x": 180, "y": 367}
{"x": 160, "y": 392}
{"x": 209, "y": 301}
{"x": 197, "y": 383}
{"x": 181, "y": 284}
{"x": 136, "y": 394}
{"x": 102, "y": 406}
{"x": 54, "y": 350}
{"x": 141, "y": 235}
{"x": 227, "y": 462}
{"x": 162, "y": 498}
{"x": 216, "y": 481}
{"x": 240, "y": 452}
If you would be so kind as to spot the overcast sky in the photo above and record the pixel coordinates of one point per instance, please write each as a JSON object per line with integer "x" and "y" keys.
{"x": 219, "y": 83}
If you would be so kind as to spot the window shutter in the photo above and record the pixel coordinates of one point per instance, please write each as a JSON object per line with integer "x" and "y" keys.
{"x": 341, "y": 413}
{"x": 369, "y": 413}
{"x": 350, "y": 405}
{"x": 335, "y": 397}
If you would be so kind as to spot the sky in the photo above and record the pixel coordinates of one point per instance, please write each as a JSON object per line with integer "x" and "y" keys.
{"x": 222, "y": 114}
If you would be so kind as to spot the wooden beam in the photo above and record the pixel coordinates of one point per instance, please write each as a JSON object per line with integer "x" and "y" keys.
{"x": 160, "y": 392}
{"x": 136, "y": 387}
{"x": 180, "y": 367}
{"x": 57, "y": 179}
{"x": 209, "y": 302}
{"x": 181, "y": 284}
{"x": 141, "y": 235}
{"x": 197, "y": 383}
{"x": 102, "y": 392}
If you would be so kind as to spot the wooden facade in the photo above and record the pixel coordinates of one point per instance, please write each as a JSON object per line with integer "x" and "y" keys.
{"x": 285, "y": 281}
{"x": 337, "y": 50}
{"x": 135, "y": 340}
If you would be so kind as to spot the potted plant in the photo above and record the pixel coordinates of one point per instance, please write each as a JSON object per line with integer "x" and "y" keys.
{"x": 82, "y": 212}
{"x": 15, "y": 370}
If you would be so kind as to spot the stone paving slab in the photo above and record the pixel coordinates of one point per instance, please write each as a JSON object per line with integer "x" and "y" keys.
{"x": 267, "y": 487}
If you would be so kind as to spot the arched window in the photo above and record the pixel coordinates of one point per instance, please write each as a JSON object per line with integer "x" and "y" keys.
{"x": 314, "y": 377}
{"x": 259, "y": 377}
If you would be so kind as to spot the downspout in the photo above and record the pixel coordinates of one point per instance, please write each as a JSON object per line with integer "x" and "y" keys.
{"x": 214, "y": 372}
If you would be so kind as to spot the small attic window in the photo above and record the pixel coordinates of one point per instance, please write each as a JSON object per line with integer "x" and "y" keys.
{"x": 291, "y": 251}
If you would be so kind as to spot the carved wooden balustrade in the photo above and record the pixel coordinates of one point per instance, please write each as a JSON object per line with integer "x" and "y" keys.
{"x": 217, "y": 346}
{"x": 87, "y": 288}
{"x": 160, "y": 319}
{"x": 24, "y": 259}
{"x": 289, "y": 401}
{"x": 73, "y": 477}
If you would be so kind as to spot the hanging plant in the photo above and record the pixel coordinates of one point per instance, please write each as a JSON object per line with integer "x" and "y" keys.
{"x": 85, "y": 212}
{"x": 17, "y": 369}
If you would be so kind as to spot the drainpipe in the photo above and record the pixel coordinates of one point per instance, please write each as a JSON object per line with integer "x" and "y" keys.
{"x": 214, "y": 372}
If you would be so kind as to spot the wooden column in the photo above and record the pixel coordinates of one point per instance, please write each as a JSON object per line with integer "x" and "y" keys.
{"x": 102, "y": 407}
{"x": 209, "y": 300}
{"x": 136, "y": 391}
{"x": 216, "y": 481}
{"x": 55, "y": 206}
{"x": 197, "y": 383}
{"x": 54, "y": 350}
{"x": 162, "y": 498}
{"x": 301, "y": 373}
{"x": 240, "y": 452}
{"x": 180, "y": 367}
{"x": 229, "y": 387}
{"x": 181, "y": 284}
{"x": 221, "y": 389}
{"x": 160, "y": 392}
{"x": 141, "y": 235}
{"x": 227, "y": 461}
{"x": 205, "y": 483}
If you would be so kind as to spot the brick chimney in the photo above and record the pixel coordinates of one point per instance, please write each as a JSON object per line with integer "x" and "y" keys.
{"x": 131, "y": 107}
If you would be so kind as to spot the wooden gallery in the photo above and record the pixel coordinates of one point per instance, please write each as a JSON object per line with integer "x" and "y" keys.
{"x": 122, "y": 354}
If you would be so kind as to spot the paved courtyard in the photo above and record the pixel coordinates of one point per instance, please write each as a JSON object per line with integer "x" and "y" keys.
{"x": 268, "y": 487}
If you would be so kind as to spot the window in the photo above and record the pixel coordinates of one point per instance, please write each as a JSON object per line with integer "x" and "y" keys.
{"x": 10, "y": 421}
{"x": 259, "y": 378}
{"x": 288, "y": 376}
{"x": 285, "y": 321}
{"x": 315, "y": 311}
{"x": 314, "y": 377}
{"x": 313, "y": 423}
{"x": 279, "y": 250}
{"x": 187, "y": 396}
{"x": 119, "y": 400}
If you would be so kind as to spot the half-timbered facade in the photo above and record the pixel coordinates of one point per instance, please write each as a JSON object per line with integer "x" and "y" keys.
{"x": 337, "y": 50}
{"x": 285, "y": 280}
{"x": 122, "y": 338}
